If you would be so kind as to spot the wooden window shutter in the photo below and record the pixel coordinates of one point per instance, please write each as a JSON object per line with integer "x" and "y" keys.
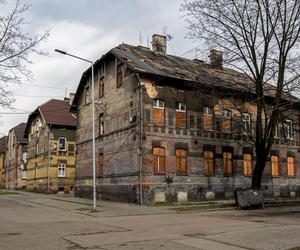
{"x": 209, "y": 162}
{"x": 180, "y": 119}
{"x": 181, "y": 161}
{"x": 159, "y": 116}
{"x": 275, "y": 165}
{"x": 227, "y": 162}
{"x": 247, "y": 164}
{"x": 159, "y": 160}
{"x": 291, "y": 166}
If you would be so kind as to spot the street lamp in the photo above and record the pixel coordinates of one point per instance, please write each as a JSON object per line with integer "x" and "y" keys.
{"x": 93, "y": 122}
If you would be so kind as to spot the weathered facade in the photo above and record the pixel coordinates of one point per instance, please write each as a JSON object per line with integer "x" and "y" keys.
{"x": 51, "y": 148}
{"x": 15, "y": 159}
{"x": 174, "y": 129}
{"x": 3, "y": 149}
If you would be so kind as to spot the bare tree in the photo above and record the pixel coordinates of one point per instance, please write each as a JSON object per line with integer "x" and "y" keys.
{"x": 15, "y": 47}
{"x": 261, "y": 39}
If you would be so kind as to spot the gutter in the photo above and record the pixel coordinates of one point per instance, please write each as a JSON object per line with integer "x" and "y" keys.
{"x": 140, "y": 153}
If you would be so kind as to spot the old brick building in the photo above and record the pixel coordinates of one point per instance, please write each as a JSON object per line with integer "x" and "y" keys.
{"x": 51, "y": 147}
{"x": 170, "y": 128}
{"x": 15, "y": 159}
{"x": 3, "y": 149}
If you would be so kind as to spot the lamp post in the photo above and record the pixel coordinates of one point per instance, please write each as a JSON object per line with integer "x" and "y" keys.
{"x": 93, "y": 123}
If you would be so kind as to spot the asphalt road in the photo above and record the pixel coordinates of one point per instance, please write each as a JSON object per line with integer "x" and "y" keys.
{"x": 38, "y": 221}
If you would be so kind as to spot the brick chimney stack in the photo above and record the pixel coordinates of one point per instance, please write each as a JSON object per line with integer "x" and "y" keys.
{"x": 159, "y": 43}
{"x": 216, "y": 59}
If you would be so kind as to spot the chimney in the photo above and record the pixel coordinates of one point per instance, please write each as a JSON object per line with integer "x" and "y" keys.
{"x": 72, "y": 95}
{"x": 159, "y": 43}
{"x": 216, "y": 59}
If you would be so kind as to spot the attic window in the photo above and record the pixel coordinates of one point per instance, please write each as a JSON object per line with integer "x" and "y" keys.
{"x": 119, "y": 74}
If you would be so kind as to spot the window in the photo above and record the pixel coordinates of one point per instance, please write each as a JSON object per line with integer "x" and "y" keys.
{"x": 209, "y": 162}
{"x": 158, "y": 112}
{"x": 275, "y": 165}
{"x": 62, "y": 141}
{"x": 208, "y": 118}
{"x": 276, "y": 131}
{"x": 61, "y": 169}
{"x": 100, "y": 164}
{"x": 207, "y": 111}
{"x": 101, "y": 87}
{"x": 227, "y": 162}
{"x": 288, "y": 130}
{"x": 158, "y": 160}
{"x": 247, "y": 164}
{"x": 87, "y": 95}
{"x": 246, "y": 123}
{"x": 180, "y": 115}
{"x": 181, "y": 161}
{"x": 226, "y": 120}
{"x": 291, "y": 166}
{"x": 119, "y": 74}
{"x": 101, "y": 124}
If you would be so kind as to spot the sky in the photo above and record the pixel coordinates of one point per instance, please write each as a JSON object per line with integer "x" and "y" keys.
{"x": 88, "y": 28}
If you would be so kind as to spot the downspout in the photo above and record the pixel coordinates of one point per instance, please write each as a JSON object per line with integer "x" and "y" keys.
{"x": 141, "y": 140}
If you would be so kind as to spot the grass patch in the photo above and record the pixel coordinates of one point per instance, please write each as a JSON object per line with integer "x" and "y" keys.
{"x": 82, "y": 209}
{"x": 4, "y": 192}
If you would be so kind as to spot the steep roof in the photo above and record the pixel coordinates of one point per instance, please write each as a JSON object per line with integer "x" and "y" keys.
{"x": 3, "y": 144}
{"x": 196, "y": 72}
{"x": 54, "y": 112}
{"x": 19, "y": 131}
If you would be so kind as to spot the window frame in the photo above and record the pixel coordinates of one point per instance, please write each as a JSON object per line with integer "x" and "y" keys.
{"x": 180, "y": 107}
{"x": 119, "y": 74}
{"x": 156, "y": 158}
{"x": 101, "y": 87}
{"x": 208, "y": 160}
{"x": 245, "y": 166}
{"x": 179, "y": 159}
{"x": 289, "y": 129}
{"x": 206, "y": 110}
{"x": 158, "y": 101}
{"x": 62, "y": 166}
{"x": 246, "y": 123}
{"x": 101, "y": 124}
{"x": 226, "y": 111}
{"x": 278, "y": 165}
{"x": 227, "y": 160}
{"x": 65, "y": 148}
{"x": 293, "y": 166}
{"x": 87, "y": 95}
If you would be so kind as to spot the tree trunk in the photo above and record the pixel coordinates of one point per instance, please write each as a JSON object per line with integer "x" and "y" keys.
{"x": 258, "y": 170}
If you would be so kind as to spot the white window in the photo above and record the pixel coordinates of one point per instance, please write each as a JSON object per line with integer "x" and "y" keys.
{"x": 180, "y": 107}
{"x": 226, "y": 113}
{"x": 207, "y": 111}
{"x": 62, "y": 141}
{"x": 61, "y": 169}
{"x": 246, "y": 123}
{"x": 288, "y": 130}
{"x": 158, "y": 103}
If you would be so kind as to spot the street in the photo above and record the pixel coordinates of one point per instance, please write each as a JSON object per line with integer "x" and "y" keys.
{"x": 39, "y": 221}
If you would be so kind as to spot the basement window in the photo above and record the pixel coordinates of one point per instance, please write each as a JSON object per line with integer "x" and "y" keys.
{"x": 62, "y": 141}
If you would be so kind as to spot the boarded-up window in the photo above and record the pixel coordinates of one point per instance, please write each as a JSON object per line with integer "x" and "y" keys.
{"x": 192, "y": 121}
{"x": 227, "y": 162}
{"x": 275, "y": 165}
{"x": 158, "y": 112}
{"x": 226, "y": 121}
{"x": 208, "y": 118}
{"x": 100, "y": 164}
{"x": 291, "y": 166}
{"x": 159, "y": 160}
{"x": 247, "y": 164}
{"x": 119, "y": 74}
{"x": 180, "y": 115}
{"x": 101, "y": 87}
{"x": 209, "y": 162}
{"x": 181, "y": 161}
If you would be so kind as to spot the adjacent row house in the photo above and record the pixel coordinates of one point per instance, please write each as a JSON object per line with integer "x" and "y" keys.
{"x": 175, "y": 129}
{"x": 3, "y": 149}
